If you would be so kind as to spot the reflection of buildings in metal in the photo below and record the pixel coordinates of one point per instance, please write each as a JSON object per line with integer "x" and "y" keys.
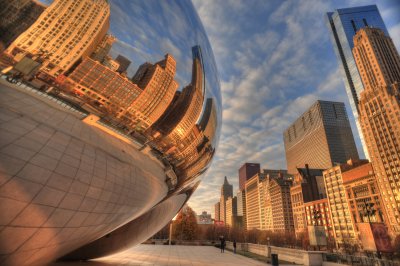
{"x": 93, "y": 150}
{"x": 17, "y": 16}
{"x": 68, "y": 183}
{"x": 133, "y": 233}
{"x": 208, "y": 122}
{"x": 61, "y": 37}
{"x": 124, "y": 103}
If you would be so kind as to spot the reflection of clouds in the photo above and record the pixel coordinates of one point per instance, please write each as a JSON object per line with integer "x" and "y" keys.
{"x": 155, "y": 28}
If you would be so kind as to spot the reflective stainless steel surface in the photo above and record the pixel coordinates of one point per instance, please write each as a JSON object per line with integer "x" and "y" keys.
{"x": 110, "y": 114}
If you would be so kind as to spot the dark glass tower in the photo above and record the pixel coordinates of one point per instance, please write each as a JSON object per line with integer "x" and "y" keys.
{"x": 343, "y": 25}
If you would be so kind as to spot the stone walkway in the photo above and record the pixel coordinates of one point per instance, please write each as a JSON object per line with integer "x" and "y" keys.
{"x": 158, "y": 255}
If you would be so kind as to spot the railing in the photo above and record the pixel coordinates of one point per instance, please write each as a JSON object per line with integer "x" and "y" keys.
{"x": 56, "y": 100}
{"x": 344, "y": 259}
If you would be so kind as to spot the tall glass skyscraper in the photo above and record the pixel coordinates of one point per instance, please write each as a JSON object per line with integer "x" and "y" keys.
{"x": 343, "y": 25}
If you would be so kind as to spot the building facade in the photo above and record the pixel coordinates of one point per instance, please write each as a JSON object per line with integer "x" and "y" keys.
{"x": 217, "y": 211}
{"x": 320, "y": 137}
{"x": 241, "y": 206}
{"x": 378, "y": 62}
{"x": 17, "y": 17}
{"x": 65, "y": 32}
{"x": 317, "y": 213}
{"x": 305, "y": 189}
{"x": 255, "y": 205}
{"x": 343, "y": 25}
{"x": 226, "y": 192}
{"x": 281, "y": 206}
{"x": 247, "y": 171}
{"x": 361, "y": 191}
{"x": 343, "y": 222}
{"x": 231, "y": 211}
{"x": 204, "y": 218}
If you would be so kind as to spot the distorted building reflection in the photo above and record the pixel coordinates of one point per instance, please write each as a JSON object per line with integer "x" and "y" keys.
{"x": 65, "y": 32}
{"x": 141, "y": 118}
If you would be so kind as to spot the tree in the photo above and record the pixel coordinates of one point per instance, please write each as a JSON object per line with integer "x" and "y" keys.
{"x": 185, "y": 226}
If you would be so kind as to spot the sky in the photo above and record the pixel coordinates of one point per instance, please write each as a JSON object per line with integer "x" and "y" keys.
{"x": 275, "y": 59}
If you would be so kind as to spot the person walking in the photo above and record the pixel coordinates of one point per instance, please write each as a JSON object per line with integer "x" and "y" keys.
{"x": 234, "y": 246}
{"x": 222, "y": 244}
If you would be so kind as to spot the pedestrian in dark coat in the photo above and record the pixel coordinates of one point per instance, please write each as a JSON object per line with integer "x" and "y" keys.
{"x": 234, "y": 246}
{"x": 222, "y": 244}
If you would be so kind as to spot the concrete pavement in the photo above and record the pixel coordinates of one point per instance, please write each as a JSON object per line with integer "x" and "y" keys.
{"x": 162, "y": 255}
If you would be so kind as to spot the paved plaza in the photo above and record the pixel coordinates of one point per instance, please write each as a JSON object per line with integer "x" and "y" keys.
{"x": 169, "y": 255}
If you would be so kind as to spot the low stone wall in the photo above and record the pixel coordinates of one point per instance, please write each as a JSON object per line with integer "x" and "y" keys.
{"x": 310, "y": 258}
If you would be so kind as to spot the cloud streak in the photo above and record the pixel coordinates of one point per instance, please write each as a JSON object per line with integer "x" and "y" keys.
{"x": 275, "y": 59}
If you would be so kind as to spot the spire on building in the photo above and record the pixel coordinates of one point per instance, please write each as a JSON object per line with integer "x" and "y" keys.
{"x": 226, "y": 181}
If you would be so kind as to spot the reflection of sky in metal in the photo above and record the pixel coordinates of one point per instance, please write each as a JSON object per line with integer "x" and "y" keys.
{"x": 147, "y": 30}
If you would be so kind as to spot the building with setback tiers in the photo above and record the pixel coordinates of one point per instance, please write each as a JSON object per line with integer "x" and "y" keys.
{"x": 343, "y": 24}
{"x": 378, "y": 62}
{"x": 320, "y": 137}
{"x": 226, "y": 192}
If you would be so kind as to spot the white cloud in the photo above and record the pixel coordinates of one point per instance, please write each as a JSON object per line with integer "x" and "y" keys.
{"x": 274, "y": 67}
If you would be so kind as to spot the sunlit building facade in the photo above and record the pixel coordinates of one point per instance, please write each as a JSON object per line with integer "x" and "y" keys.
{"x": 343, "y": 24}
{"x": 362, "y": 190}
{"x": 378, "y": 62}
{"x": 305, "y": 189}
{"x": 217, "y": 211}
{"x": 255, "y": 203}
{"x": 226, "y": 192}
{"x": 317, "y": 213}
{"x": 100, "y": 84}
{"x": 343, "y": 224}
{"x": 65, "y": 32}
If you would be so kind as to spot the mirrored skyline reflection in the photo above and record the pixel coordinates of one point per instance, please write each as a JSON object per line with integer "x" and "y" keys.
{"x": 128, "y": 58}
{"x": 132, "y": 88}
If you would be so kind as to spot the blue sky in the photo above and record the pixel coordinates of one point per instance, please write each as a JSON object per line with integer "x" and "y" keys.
{"x": 275, "y": 59}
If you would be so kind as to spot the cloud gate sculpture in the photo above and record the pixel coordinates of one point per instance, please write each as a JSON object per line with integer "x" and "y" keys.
{"x": 110, "y": 115}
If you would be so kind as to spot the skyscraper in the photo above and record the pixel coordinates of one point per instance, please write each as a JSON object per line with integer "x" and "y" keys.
{"x": 217, "y": 212}
{"x": 343, "y": 25}
{"x": 226, "y": 192}
{"x": 123, "y": 63}
{"x": 379, "y": 65}
{"x": 65, "y": 32}
{"x": 231, "y": 211}
{"x": 320, "y": 137}
{"x": 247, "y": 171}
{"x": 255, "y": 203}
